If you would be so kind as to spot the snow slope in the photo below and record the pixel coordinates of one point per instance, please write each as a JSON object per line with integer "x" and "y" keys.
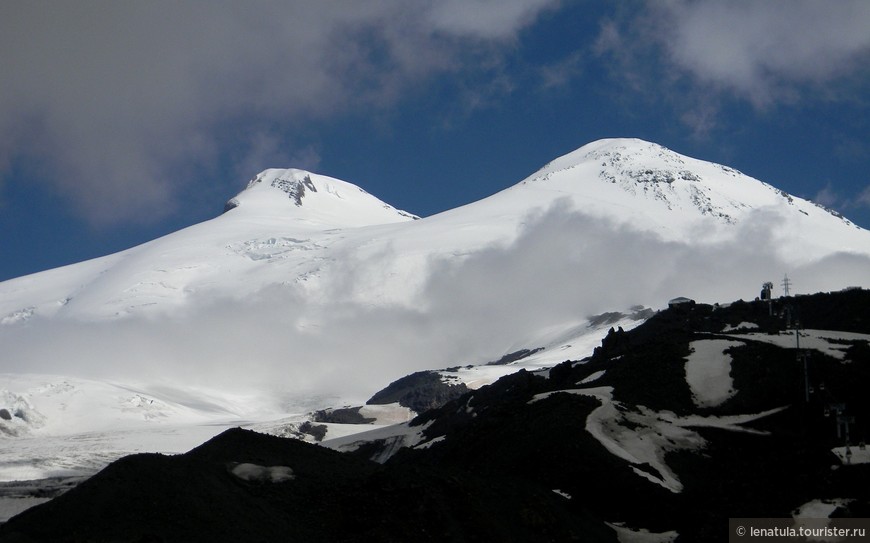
{"x": 277, "y": 229}
{"x": 308, "y": 292}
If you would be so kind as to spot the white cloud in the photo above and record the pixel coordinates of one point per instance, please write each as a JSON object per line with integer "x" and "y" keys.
{"x": 122, "y": 100}
{"x": 563, "y": 267}
{"x": 759, "y": 50}
{"x": 697, "y": 53}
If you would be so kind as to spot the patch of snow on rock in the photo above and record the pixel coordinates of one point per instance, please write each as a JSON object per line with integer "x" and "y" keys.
{"x": 741, "y": 326}
{"x": 708, "y": 371}
{"x": 427, "y": 444}
{"x": 592, "y": 377}
{"x": 815, "y": 516}
{"x": 823, "y": 341}
{"x": 394, "y": 437}
{"x": 262, "y": 474}
{"x": 819, "y": 508}
{"x": 642, "y": 436}
{"x": 641, "y": 535}
{"x": 852, "y": 455}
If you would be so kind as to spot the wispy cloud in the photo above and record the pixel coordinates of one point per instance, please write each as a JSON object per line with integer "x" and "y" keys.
{"x": 266, "y": 149}
{"x": 828, "y": 197}
{"x": 863, "y": 198}
{"x": 562, "y": 72}
{"x": 121, "y": 101}
{"x": 766, "y": 53}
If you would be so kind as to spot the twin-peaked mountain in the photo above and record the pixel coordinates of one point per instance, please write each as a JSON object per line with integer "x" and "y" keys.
{"x": 309, "y": 292}
{"x": 285, "y": 218}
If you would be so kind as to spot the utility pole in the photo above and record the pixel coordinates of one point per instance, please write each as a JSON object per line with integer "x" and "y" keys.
{"x": 786, "y": 284}
{"x": 802, "y": 357}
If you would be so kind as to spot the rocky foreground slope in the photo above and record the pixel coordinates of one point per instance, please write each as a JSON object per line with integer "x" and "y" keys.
{"x": 700, "y": 414}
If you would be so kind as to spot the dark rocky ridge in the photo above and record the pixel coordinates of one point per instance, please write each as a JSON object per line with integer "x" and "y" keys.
{"x": 735, "y": 475}
{"x": 514, "y": 356}
{"x": 333, "y": 497}
{"x": 420, "y": 392}
{"x": 343, "y": 415}
{"x": 501, "y": 455}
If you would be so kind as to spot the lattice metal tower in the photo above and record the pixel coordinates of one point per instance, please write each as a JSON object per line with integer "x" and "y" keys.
{"x": 786, "y": 284}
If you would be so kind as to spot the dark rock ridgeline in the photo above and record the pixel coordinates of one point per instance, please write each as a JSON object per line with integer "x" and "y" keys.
{"x": 497, "y": 429}
{"x": 343, "y": 415}
{"x": 331, "y": 497}
{"x": 420, "y": 392}
{"x": 514, "y": 357}
{"x": 497, "y": 455}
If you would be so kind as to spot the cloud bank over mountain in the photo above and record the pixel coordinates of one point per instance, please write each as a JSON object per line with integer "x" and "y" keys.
{"x": 563, "y": 267}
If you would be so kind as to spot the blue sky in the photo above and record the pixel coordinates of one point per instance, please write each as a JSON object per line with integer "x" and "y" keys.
{"x": 121, "y": 121}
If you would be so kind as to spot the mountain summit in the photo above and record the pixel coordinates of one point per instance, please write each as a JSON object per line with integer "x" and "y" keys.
{"x": 649, "y": 187}
{"x": 322, "y": 200}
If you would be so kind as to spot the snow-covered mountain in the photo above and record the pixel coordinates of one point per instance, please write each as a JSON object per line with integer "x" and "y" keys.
{"x": 292, "y": 226}
{"x": 307, "y": 292}
{"x": 283, "y": 219}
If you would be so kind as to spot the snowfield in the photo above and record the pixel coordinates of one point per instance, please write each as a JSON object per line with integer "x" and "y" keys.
{"x": 64, "y": 426}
